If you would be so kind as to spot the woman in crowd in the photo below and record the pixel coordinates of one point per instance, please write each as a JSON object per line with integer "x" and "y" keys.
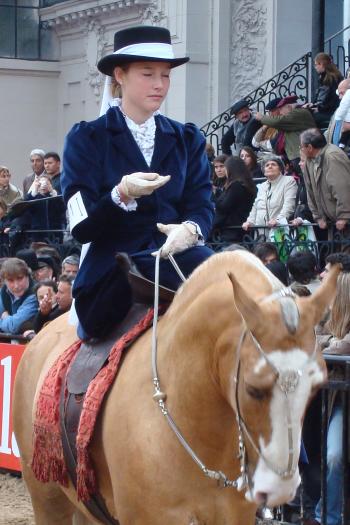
{"x": 326, "y": 99}
{"x": 275, "y": 201}
{"x": 234, "y": 202}
{"x": 134, "y": 182}
{"x": 219, "y": 177}
{"x": 336, "y": 341}
{"x": 248, "y": 155}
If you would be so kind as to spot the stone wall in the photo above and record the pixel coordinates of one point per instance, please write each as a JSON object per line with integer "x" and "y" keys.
{"x": 234, "y": 46}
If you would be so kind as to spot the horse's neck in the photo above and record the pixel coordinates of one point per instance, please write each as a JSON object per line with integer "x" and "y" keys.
{"x": 196, "y": 354}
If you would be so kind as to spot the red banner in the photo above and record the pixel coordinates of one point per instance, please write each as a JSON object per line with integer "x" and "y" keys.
{"x": 10, "y": 355}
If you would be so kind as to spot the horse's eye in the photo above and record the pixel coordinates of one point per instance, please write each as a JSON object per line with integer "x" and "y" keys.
{"x": 256, "y": 393}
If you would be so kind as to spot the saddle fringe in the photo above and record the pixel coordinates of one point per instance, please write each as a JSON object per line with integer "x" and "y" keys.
{"x": 48, "y": 460}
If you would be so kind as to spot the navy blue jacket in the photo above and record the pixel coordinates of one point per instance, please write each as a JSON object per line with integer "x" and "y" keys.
{"x": 98, "y": 154}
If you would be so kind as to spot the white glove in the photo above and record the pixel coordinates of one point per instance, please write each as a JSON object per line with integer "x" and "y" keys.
{"x": 138, "y": 184}
{"x": 180, "y": 237}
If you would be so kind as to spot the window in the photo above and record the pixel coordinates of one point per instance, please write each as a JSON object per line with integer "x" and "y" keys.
{"x": 20, "y": 33}
{"x": 47, "y": 3}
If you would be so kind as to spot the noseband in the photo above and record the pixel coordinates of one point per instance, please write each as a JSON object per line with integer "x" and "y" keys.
{"x": 287, "y": 381}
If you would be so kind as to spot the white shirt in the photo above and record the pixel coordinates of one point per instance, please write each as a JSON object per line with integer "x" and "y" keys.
{"x": 343, "y": 110}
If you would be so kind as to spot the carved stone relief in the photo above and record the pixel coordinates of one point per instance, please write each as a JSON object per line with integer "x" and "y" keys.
{"x": 95, "y": 45}
{"x": 154, "y": 13}
{"x": 248, "y": 45}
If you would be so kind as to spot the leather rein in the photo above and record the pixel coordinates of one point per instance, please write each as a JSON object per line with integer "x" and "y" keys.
{"x": 287, "y": 381}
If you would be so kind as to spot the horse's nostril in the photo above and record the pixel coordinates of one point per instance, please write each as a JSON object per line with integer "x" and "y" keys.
{"x": 261, "y": 498}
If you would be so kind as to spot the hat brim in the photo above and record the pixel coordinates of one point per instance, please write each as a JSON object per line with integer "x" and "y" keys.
{"x": 107, "y": 64}
{"x": 236, "y": 108}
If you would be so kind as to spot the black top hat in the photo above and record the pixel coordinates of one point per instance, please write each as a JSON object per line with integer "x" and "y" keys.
{"x": 29, "y": 257}
{"x": 140, "y": 44}
{"x": 237, "y": 106}
{"x": 272, "y": 104}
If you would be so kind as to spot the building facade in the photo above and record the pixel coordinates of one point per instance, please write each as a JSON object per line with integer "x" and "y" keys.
{"x": 49, "y": 50}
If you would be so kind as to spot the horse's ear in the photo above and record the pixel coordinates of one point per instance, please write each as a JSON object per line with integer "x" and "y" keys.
{"x": 325, "y": 294}
{"x": 249, "y": 309}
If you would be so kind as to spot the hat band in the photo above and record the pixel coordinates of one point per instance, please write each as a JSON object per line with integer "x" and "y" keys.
{"x": 149, "y": 50}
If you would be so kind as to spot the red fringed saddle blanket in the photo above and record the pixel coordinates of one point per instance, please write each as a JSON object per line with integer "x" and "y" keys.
{"x": 48, "y": 460}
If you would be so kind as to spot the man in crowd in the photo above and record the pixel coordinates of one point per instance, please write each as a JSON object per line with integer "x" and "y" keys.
{"x": 54, "y": 300}
{"x": 242, "y": 130}
{"x": 266, "y": 251}
{"x": 64, "y": 293}
{"x": 70, "y": 265}
{"x": 37, "y": 162}
{"x": 302, "y": 267}
{"x": 292, "y": 120}
{"x": 327, "y": 180}
{"x": 340, "y": 120}
{"x": 48, "y": 215}
{"x": 18, "y": 303}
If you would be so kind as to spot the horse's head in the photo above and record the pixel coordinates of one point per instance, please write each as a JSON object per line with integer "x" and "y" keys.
{"x": 278, "y": 369}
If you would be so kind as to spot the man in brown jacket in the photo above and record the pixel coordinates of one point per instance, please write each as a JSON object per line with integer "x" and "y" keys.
{"x": 327, "y": 180}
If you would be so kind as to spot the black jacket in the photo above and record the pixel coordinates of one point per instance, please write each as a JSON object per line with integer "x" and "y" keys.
{"x": 232, "y": 209}
{"x": 326, "y": 98}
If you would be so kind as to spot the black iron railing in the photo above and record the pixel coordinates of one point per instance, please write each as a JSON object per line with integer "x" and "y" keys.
{"x": 288, "y": 240}
{"x": 338, "y": 46}
{"x": 294, "y": 79}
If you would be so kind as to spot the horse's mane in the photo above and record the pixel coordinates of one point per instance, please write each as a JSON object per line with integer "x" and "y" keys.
{"x": 215, "y": 270}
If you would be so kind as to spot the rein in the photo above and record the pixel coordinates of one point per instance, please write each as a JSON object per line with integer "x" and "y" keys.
{"x": 160, "y": 397}
{"x": 286, "y": 380}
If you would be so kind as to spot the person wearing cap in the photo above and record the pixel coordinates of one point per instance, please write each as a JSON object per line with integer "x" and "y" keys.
{"x": 46, "y": 268}
{"x": 265, "y": 139}
{"x": 275, "y": 201}
{"x": 134, "y": 181}
{"x": 292, "y": 120}
{"x": 37, "y": 162}
{"x": 242, "y": 130}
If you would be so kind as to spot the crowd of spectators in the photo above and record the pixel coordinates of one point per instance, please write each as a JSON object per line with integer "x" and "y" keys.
{"x": 36, "y": 287}
{"x": 298, "y": 156}
{"x": 36, "y": 284}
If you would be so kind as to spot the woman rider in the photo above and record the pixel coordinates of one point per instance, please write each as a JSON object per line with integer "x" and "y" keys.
{"x": 134, "y": 181}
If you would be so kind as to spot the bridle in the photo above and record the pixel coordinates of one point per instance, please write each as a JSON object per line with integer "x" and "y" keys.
{"x": 287, "y": 381}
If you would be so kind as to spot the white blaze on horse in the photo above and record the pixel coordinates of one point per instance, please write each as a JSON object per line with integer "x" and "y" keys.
{"x": 237, "y": 361}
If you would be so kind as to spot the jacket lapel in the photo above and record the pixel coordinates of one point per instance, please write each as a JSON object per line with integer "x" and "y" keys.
{"x": 165, "y": 141}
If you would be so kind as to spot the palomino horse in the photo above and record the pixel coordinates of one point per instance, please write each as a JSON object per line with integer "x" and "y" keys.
{"x": 237, "y": 360}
